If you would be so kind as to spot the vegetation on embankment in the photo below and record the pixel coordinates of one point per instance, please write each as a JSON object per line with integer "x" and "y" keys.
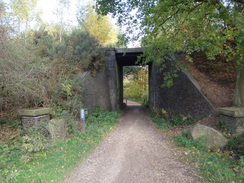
{"x": 51, "y": 161}
{"x": 218, "y": 166}
{"x": 42, "y": 64}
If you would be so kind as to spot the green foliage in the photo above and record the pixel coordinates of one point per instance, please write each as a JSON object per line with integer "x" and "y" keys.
{"x": 83, "y": 49}
{"x": 131, "y": 71}
{"x": 100, "y": 27}
{"x": 227, "y": 164}
{"x": 236, "y": 145}
{"x": 180, "y": 119}
{"x": 3, "y": 120}
{"x": 42, "y": 71}
{"x": 136, "y": 84}
{"x": 24, "y": 10}
{"x": 186, "y": 140}
{"x": 161, "y": 122}
{"x": 164, "y": 120}
{"x": 27, "y": 159}
{"x": 34, "y": 142}
{"x": 221, "y": 124}
{"x": 213, "y": 27}
{"x": 211, "y": 163}
{"x": 22, "y": 77}
{"x": 122, "y": 41}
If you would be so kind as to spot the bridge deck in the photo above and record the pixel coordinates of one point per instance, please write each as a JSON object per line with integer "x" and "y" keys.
{"x": 128, "y": 56}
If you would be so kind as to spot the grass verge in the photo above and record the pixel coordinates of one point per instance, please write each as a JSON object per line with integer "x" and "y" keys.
{"x": 218, "y": 166}
{"x": 52, "y": 164}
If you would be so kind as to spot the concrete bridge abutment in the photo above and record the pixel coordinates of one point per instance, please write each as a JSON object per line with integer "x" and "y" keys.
{"x": 106, "y": 89}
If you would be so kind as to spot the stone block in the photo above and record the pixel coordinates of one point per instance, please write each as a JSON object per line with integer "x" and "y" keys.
{"x": 233, "y": 118}
{"x": 214, "y": 139}
{"x": 234, "y": 125}
{"x": 34, "y": 121}
{"x": 34, "y": 111}
{"x": 232, "y": 111}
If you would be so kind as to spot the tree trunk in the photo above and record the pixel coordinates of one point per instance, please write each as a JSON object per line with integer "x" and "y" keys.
{"x": 239, "y": 88}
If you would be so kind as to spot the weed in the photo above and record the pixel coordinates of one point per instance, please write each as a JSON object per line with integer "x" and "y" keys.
{"x": 236, "y": 144}
{"x": 163, "y": 120}
{"x": 214, "y": 166}
{"x": 181, "y": 119}
{"x": 3, "y": 120}
{"x": 34, "y": 142}
{"x": 36, "y": 163}
{"x": 186, "y": 140}
{"x": 219, "y": 166}
{"x": 221, "y": 124}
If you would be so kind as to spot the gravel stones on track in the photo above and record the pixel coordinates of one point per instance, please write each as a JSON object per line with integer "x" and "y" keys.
{"x": 135, "y": 152}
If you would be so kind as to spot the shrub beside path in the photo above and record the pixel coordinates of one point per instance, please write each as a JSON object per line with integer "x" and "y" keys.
{"x": 134, "y": 152}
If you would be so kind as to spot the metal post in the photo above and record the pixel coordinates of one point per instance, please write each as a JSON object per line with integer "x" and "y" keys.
{"x": 82, "y": 120}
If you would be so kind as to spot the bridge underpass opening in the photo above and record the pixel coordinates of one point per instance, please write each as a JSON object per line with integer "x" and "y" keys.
{"x": 135, "y": 84}
{"x": 126, "y": 59}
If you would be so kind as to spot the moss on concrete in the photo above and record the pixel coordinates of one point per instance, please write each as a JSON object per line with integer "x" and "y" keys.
{"x": 34, "y": 111}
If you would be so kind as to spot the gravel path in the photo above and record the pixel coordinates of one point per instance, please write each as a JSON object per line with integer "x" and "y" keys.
{"x": 134, "y": 152}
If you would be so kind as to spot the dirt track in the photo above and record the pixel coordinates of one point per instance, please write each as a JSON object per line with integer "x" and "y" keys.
{"x": 135, "y": 152}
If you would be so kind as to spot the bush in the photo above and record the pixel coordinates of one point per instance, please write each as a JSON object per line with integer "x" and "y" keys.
{"x": 236, "y": 145}
{"x": 38, "y": 70}
{"x": 32, "y": 159}
{"x": 185, "y": 140}
{"x": 214, "y": 166}
{"x": 164, "y": 120}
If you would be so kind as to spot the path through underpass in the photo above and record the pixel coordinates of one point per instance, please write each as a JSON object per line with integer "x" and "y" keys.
{"x": 135, "y": 152}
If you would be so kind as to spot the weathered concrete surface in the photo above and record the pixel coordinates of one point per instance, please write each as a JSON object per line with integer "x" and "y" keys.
{"x": 34, "y": 111}
{"x": 234, "y": 116}
{"x": 112, "y": 75}
{"x": 96, "y": 91}
{"x": 184, "y": 97}
{"x": 234, "y": 124}
{"x": 214, "y": 139}
{"x": 239, "y": 89}
{"x": 29, "y": 122}
{"x": 232, "y": 111}
{"x": 106, "y": 89}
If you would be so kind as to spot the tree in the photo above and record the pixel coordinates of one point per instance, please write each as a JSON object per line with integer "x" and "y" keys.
{"x": 215, "y": 27}
{"x": 62, "y": 10}
{"x": 136, "y": 83}
{"x": 212, "y": 26}
{"x": 25, "y": 11}
{"x": 98, "y": 26}
{"x": 131, "y": 71}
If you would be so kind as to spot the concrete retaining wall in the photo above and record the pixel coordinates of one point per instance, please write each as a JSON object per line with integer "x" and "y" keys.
{"x": 102, "y": 89}
{"x": 96, "y": 91}
{"x": 184, "y": 97}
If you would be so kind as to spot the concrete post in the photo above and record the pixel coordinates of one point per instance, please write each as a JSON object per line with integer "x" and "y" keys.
{"x": 239, "y": 88}
{"x": 234, "y": 116}
{"x": 112, "y": 75}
